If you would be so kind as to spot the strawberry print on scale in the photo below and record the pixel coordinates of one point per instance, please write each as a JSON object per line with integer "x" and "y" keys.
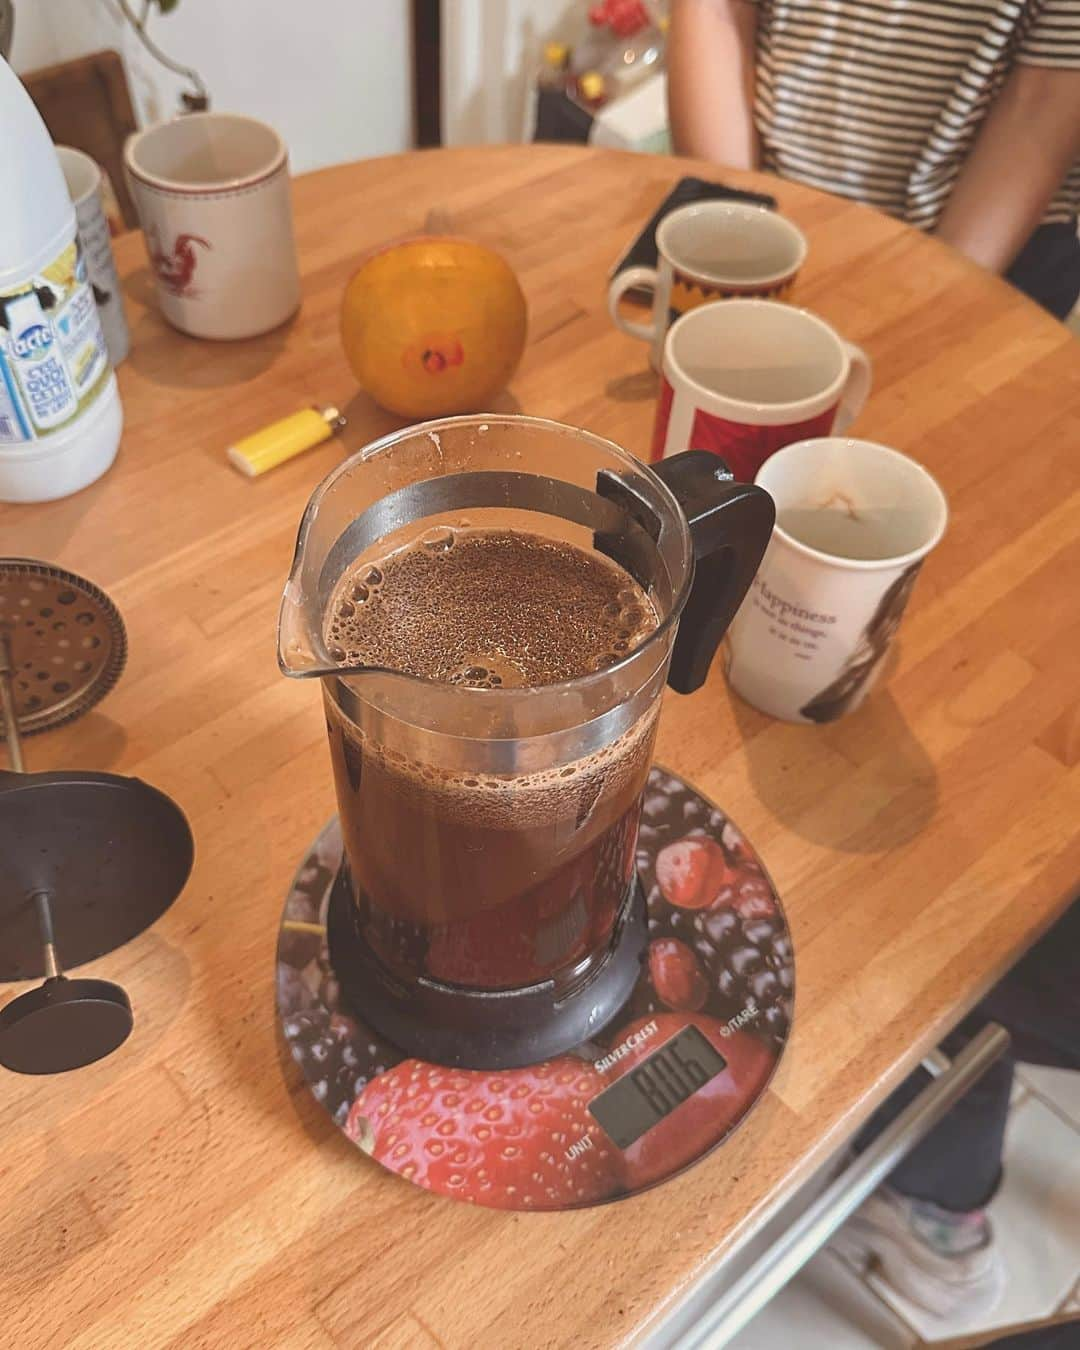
{"x": 668, "y": 1081}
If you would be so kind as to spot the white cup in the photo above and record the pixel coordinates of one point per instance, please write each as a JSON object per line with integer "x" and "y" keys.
{"x": 744, "y": 377}
{"x": 710, "y": 251}
{"x": 84, "y": 183}
{"x": 854, "y": 521}
{"x": 212, "y": 190}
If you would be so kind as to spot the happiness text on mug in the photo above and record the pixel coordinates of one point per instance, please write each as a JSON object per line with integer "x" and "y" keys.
{"x": 802, "y": 629}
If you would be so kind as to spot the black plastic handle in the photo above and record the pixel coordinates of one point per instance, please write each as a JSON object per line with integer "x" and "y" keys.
{"x": 730, "y": 525}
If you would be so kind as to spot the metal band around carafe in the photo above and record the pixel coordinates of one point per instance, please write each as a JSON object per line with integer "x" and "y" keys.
{"x": 540, "y": 738}
{"x": 474, "y": 491}
{"x": 513, "y": 756}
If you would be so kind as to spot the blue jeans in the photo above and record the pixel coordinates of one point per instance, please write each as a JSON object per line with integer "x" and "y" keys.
{"x": 958, "y": 1164}
{"x": 1048, "y": 268}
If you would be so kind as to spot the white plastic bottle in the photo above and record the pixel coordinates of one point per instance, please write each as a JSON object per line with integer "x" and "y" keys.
{"x": 60, "y": 414}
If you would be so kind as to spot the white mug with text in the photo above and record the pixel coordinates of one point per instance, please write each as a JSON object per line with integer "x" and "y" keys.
{"x": 854, "y": 521}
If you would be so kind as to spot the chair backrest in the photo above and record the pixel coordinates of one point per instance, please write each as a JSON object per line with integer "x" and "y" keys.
{"x": 86, "y": 103}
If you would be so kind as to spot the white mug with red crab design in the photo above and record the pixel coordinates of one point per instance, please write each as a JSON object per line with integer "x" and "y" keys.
{"x": 212, "y": 190}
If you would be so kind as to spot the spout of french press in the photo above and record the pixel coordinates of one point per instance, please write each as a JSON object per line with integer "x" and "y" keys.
{"x": 302, "y": 650}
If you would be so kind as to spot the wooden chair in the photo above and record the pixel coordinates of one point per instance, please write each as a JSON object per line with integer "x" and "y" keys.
{"x": 86, "y": 103}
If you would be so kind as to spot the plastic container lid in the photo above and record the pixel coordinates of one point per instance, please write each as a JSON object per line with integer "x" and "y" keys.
{"x": 38, "y": 219}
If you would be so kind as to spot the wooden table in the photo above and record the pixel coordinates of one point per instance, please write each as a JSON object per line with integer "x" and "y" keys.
{"x": 188, "y": 1191}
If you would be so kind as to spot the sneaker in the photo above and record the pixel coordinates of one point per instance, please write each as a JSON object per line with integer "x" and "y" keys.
{"x": 943, "y": 1261}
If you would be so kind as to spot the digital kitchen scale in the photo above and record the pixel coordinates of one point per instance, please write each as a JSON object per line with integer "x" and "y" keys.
{"x": 666, "y": 1082}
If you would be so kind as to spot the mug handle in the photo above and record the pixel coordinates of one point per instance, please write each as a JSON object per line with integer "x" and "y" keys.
{"x": 633, "y": 276}
{"x": 730, "y": 526}
{"x": 856, "y": 390}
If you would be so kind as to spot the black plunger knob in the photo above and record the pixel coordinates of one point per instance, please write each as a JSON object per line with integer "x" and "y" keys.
{"x": 63, "y": 1024}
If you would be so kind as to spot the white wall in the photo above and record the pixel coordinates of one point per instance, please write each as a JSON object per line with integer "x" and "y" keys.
{"x": 333, "y": 76}
{"x": 34, "y": 43}
{"x": 491, "y": 50}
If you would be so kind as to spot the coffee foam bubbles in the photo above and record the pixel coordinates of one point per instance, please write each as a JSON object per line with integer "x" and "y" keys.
{"x": 569, "y": 792}
{"x": 486, "y": 609}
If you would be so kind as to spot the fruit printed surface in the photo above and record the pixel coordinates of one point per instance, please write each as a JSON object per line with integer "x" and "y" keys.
{"x": 719, "y": 960}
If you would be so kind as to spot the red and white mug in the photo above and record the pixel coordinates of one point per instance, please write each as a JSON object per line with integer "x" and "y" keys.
{"x": 743, "y": 378}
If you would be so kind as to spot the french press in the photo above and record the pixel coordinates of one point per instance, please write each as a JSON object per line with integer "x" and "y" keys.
{"x": 487, "y": 912}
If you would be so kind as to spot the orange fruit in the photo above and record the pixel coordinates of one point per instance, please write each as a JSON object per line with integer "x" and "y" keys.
{"x": 433, "y": 326}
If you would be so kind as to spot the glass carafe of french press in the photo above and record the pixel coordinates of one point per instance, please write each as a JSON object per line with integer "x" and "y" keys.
{"x": 487, "y": 912}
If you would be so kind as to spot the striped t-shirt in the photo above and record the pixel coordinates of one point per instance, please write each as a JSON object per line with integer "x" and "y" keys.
{"x": 882, "y": 101}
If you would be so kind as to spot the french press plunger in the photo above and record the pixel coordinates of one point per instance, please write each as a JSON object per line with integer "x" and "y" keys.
{"x": 89, "y": 859}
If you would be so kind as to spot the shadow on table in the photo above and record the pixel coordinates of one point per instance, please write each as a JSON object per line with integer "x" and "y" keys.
{"x": 871, "y": 788}
{"x": 139, "y": 287}
{"x": 505, "y": 402}
{"x": 165, "y": 356}
{"x": 638, "y": 387}
{"x": 50, "y": 1223}
{"x": 95, "y": 743}
{"x": 366, "y": 420}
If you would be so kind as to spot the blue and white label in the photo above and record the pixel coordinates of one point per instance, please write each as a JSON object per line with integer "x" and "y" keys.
{"x": 42, "y": 376}
{"x": 53, "y": 360}
{"x": 32, "y": 341}
{"x": 14, "y": 428}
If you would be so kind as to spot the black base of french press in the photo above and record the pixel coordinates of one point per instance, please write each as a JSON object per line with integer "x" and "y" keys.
{"x": 482, "y": 1029}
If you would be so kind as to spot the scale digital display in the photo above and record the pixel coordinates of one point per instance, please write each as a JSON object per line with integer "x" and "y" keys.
{"x": 653, "y": 1089}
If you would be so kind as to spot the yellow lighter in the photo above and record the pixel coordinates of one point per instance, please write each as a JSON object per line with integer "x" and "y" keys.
{"x": 283, "y": 440}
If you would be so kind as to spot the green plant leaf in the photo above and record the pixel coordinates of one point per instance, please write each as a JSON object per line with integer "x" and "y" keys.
{"x": 166, "y": 5}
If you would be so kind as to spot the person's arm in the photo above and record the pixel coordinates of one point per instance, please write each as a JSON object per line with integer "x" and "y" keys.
{"x": 1024, "y": 149}
{"x": 710, "y": 59}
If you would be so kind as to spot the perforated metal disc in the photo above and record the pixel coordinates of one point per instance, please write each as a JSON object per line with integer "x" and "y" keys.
{"x": 67, "y": 640}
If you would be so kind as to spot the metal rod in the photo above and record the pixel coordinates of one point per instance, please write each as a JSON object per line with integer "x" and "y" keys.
{"x": 936, "y": 1063}
{"x": 809, "y": 1233}
{"x": 7, "y": 707}
{"x": 48, "y": 936}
